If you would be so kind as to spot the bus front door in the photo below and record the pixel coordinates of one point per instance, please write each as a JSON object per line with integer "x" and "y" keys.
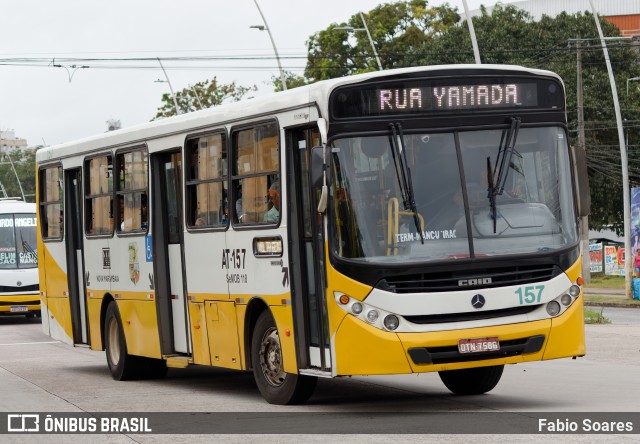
{"x": 306, "y": 243}
{"x": 168, "y": 247}
{"x": 75, "y": 255}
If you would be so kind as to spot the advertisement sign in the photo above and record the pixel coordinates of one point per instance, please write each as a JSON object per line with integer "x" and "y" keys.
{"x": 595, "y": 258}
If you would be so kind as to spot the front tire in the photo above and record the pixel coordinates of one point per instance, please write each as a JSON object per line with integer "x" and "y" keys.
{"x": 472, "y": 381}
{"x": 275, "y": 385}
{"x": 122, "y": 365}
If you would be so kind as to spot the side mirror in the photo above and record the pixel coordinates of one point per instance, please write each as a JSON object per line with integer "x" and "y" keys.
{"x": 581, "y": 180}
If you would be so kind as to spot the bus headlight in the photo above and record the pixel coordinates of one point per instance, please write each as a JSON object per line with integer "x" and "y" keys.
{"x": 553, "y": 308}
{"x": 566, "y": 300}
{"x": 373, "y": 316}
{"x": 391, "y": 322}
{"x": 574, "y": 291}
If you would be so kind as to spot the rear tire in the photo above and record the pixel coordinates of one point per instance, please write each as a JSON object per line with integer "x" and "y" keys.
{"x": 122, "y": 365}
{"x": 472, "y": 381}
{"x": 275, "y": 385}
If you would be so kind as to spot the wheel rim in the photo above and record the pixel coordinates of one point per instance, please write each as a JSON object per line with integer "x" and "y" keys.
{"x": 271, "y": 358}
{"x": 113, "y": 341}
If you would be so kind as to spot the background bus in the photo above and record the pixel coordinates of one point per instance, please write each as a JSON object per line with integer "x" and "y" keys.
{"x": 19, "y": 291}
{"x": 434, "y": 228}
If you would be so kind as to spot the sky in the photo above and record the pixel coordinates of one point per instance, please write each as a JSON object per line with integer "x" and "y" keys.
{"x": 48, "y": 105}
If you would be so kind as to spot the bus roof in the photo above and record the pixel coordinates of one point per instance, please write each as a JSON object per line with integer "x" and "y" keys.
{"x": 13, "y": 205}
{"x": 315, "y": 94}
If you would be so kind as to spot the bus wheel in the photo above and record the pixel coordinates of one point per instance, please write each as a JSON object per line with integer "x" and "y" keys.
{"x": 472, "y": 381}
{"x": 275, "y": 385}
{"x": 123, "y": 366}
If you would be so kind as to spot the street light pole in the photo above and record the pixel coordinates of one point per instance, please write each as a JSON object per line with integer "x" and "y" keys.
{"x": 366, "y": 29}
{"x": 175, "y": 102}
{"x": 628, "y": 255}
{"x": 273, "y": 43}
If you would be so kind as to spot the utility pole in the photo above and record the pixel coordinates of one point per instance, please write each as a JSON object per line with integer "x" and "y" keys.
{"x": 626, "y": 197}
{"x": 584, "y": 221}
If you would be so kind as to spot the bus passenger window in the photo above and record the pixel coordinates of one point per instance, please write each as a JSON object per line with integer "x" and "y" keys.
{"x": 133, "y": 214}
{"x": 99, "y": 196}
{"x": 51, "y": 208}
{"x": 256, "y": 178}
{"x": 206, "y": 180}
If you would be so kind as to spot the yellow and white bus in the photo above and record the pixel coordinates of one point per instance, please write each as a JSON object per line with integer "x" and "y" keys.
{"x": 19, "y": 292}
{"x": 414, "y": 220}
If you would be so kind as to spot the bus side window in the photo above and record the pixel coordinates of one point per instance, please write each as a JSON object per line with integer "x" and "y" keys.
{"x": 99, "y": 195}
{"x": 256, "y": 176}
{"x": 133, "y": 215}
{"x": 207, "y": 205}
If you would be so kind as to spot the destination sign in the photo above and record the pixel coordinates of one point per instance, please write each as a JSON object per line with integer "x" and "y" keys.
{"x": 441, "y": 96}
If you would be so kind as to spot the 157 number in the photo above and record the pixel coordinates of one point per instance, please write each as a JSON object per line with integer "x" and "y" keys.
{"x": 530, "y": 294}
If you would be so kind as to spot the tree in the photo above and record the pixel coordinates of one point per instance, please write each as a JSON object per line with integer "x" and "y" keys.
{"x": 293, "y": 81}
{"x": 24, "y": 162}
{"x": 202, "y": 95}
{"x": 395, "y": 28}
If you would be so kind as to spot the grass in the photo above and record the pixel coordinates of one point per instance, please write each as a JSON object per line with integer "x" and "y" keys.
{"x": 601, "y": 280}
{"x": 613, "y": 299}
{"x": 595, "y": 317}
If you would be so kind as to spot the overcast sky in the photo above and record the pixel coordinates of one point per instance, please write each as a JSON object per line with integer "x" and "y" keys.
{"x": 44, "y": 107}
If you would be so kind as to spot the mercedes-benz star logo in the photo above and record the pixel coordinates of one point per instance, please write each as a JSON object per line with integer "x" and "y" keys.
{"x": 478, "y": 301}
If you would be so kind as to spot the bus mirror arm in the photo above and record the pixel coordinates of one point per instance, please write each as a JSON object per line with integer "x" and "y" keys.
{"x": 320, "y": 156}
{"x": 322, "y": 129}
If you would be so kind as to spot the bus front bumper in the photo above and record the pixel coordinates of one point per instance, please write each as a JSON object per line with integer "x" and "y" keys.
{"x": 361, "y": 349}
{"x": 19, "y": 304}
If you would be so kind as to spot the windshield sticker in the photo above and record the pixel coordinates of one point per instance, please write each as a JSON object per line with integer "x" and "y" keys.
{"x": 426, "y": 235}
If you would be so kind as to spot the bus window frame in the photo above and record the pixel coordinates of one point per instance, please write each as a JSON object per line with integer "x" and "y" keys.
{"x": 193, "y": 182}
{"x": 117, "y": 192}
{"x": 259, "y": 225}
{"x": 41, "y": 204}
{"x": 86, "y": 196}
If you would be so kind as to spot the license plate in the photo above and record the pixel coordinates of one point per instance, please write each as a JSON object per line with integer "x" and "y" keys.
{"x": 18, "y": 308}
{"x": 476, "y": 345}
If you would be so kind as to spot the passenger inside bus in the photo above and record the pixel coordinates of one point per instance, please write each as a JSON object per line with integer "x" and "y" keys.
{"x": 272, "y": 214}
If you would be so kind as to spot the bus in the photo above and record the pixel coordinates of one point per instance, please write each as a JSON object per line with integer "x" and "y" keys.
{"x": 414, "y": 220}
{"x": 19, "y": 290}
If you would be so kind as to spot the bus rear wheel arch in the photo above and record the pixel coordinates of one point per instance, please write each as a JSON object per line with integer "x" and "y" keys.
{"x": 275, "y": 385}
{"x": 472, "y": 381}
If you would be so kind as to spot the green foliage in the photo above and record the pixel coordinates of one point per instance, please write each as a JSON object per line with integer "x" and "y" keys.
{"x": 595, "y": 317}
{"x": 24, "y": 162}
{"x": 202, "y": 95}
{"x": 395, "y": 29}
{"x": 293, "y": 81}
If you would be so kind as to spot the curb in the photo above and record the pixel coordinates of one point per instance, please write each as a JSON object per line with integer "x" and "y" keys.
{"x": 610, "y": 304}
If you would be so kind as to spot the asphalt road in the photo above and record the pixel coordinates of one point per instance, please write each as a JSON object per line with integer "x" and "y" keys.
{"x": 41, "y": 375}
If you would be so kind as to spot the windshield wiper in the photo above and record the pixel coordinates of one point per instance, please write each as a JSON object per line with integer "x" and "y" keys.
{"x": 399, "y": 152}
{"x": 28, "y": 248}
{"x": 497, "y": 177}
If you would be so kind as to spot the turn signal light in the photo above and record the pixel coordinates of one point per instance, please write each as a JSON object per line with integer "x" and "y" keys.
{"x": 344, "y": 299}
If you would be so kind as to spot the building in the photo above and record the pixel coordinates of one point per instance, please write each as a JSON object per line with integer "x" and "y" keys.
{"x": 625, "y": 14}
{"x": 9, "y": 141}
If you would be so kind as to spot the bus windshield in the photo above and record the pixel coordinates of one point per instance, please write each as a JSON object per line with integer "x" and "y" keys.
{"x": 461, "y": 211}
{"x": 18, "y": 241}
